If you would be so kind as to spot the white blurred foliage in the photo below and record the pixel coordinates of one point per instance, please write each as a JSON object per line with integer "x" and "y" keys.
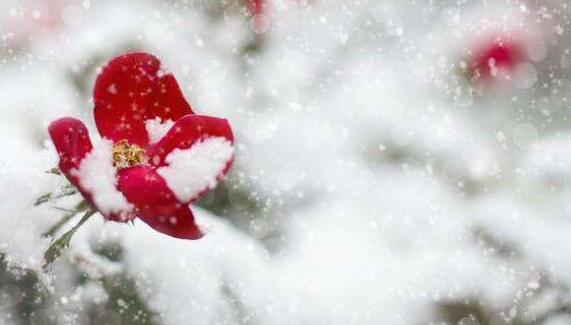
{"x": 184, "y": 283}
{"x": 376, "y": 164}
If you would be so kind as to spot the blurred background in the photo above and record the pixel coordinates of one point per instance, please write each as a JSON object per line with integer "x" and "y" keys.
{"x": 397, "y": 162}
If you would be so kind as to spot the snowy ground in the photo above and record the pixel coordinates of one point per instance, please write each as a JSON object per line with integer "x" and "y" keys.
{"x": 373, "y": 182}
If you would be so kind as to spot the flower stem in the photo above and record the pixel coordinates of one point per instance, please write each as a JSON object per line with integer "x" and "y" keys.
{"x": 57, "y": 246}
{"x": 50, "y": 232}
{"x": 82, "y": 206}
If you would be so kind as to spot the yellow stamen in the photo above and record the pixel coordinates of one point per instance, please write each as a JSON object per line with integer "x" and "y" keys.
{"x": 128, "y": 155}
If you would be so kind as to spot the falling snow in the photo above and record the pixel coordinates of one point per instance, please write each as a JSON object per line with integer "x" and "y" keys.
{"x": 395, "y": 162}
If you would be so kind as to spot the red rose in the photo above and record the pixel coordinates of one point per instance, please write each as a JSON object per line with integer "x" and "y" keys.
{"x": 156, "y": 156}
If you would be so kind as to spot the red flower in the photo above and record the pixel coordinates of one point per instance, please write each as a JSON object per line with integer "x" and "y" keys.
{"x": 496, "y": 58}
{"x": 257, "y": 6}
{"x": 260, "y": 20}
{"x": 131, "y": 174}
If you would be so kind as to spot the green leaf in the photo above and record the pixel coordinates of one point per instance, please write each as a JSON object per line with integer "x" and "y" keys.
{"x": 43, "y": 199}
{"x": 57, "y": 246}
{"x": 80, "y": 207}
{"x": 67, "y": 192}
{"x": 54, "y": 171}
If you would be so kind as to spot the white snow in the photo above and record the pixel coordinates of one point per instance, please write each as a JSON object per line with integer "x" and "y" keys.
{"x": 156, "y": 128}
{"x": 200, "y": 273}
{"x": 468, "y": 200}
{"x": 98, "y": 176}
{"x": 191, "y": 171}
{"x": 25, "y": 156}
{"x": 550, "y": 158}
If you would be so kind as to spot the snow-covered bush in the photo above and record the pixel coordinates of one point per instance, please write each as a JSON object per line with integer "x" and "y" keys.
{"x": 389, "y": 162}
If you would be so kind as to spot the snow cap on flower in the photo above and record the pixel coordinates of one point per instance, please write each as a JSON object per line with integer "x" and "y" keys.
{"x": 156, "y": 156}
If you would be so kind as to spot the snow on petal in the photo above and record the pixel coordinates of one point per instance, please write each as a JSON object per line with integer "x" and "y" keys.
{"x": 157, "y": 128}
{"x": 98, "y": 176}
{"x": 192, "y": 171}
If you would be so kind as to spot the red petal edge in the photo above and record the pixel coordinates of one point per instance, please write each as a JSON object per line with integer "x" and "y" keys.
{"x": 156, "y": 205}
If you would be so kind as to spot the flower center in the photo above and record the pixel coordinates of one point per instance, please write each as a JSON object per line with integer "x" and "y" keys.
{"x": 127, "y": 155}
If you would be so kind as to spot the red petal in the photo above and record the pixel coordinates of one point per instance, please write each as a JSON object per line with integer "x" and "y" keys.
{"x": 186, "y": 132}
{"x": 122, "y": 94}
{"x": 72, "y": 142}
{"x": 168, "y": 102}
{"x": 130, "y": 89}
{"x": 71, "y": 138}
{"x": 155, "y": 203}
